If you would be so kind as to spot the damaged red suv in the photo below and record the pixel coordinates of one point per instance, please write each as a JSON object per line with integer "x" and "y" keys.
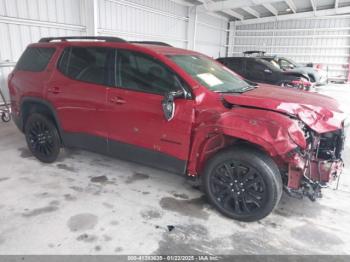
{"x": 180, "y": 111}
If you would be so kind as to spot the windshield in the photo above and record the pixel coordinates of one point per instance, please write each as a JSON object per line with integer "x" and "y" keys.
{"x": 211, "y": 74}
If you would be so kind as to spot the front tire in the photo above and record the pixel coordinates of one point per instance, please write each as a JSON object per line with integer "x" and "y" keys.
{"x": 243, "y": 184}
{"x": 42, "y": 138}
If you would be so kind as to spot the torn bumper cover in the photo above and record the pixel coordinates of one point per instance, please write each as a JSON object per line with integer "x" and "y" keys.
{"x": 318, "y": 165}
{"x": 321, "y": 172}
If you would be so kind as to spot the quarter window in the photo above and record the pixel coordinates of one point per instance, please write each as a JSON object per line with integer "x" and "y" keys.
{"x": 35, "y": 59}
{"x": 87, "y": 64}
{"x": 141, "y": 72}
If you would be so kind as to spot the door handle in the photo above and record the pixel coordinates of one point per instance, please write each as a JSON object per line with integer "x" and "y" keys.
{"x": 117, "y": 100}
{"x": 54, "y": 90}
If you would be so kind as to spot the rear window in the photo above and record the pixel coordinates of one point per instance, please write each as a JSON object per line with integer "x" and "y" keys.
{"x": 35, "y": 59}
{"x": 236, "y": 63}
{"x": 87, "y": 64}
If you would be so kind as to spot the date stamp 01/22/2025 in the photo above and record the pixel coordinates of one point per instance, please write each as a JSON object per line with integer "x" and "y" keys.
{"x": 174, "y": 258}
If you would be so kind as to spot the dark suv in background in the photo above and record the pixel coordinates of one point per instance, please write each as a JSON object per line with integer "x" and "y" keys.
{"x": 260, "y": 70}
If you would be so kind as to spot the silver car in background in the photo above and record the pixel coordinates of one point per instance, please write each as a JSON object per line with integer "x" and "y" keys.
{"x": 317, "y": 76}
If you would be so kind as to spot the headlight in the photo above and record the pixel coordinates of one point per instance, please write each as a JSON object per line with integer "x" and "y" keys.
{"x": 298, "y": 138}
{"x": 299, "y": 134}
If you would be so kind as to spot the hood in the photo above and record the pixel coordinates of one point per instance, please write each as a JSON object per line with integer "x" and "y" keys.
{"x": 297, "y": 73}
{"x": 319, "y": 76}
{"x": 304, "y": 69}
{"x": 319, "y": 112}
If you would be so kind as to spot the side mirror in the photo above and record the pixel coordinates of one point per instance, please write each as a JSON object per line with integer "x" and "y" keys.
{"x": 309, "y": 65}
{"x": 168, "y": 103}
{"x": 288, "y": 67}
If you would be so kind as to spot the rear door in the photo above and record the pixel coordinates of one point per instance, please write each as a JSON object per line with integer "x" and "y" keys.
{"x": 138, "y": 130}
{"x": 78, "y": 92}
{"x": 255, "y": 71}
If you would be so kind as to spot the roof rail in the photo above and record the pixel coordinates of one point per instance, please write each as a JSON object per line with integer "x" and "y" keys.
{"x": 150, "y": 43}
{"x": 65, "y": 38}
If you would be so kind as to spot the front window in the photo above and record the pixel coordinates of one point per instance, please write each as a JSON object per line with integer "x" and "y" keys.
{"x": 140, "y": 72}
{"x": 275, "y": 64}
{"x": 286, "y": 64}
{"x": 269, "y": 64}
{"x": 211, "y": 74}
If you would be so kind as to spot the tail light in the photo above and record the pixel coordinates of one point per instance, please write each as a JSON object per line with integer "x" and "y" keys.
{"x": 301, "y": 82}
{"x": 319, "y": 67}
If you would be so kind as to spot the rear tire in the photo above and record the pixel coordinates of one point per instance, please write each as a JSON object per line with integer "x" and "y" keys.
{"x": 244, "y": 183}
{"x": 42, "y": 138}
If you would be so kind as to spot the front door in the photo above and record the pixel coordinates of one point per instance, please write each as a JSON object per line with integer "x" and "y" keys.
{"x": 138, "y": 130}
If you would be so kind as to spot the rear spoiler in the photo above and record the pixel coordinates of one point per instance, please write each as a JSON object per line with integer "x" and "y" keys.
{"x": 258, "y": 53}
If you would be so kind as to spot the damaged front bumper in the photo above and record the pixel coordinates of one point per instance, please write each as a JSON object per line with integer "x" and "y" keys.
{"x": 322, "y": 172}
{"x": 310, "y": 180}
{"x": 316, "y": 167}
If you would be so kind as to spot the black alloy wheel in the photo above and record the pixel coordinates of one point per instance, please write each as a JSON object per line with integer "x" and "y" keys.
{"x": 42, "y": 138}
{"x": 238, "y": 187}
{"x": 243, "y": 184}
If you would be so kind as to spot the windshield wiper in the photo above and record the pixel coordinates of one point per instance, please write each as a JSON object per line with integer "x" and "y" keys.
{"x": 251, "y": 83}
{"x": 248, "y": 88}
{"x": 239, "y": 91}
{"x": 229, "y": 91}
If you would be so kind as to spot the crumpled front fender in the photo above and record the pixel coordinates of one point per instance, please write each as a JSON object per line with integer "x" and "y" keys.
{"x": 274, "y": 132}
{"x": 278, "y": 134}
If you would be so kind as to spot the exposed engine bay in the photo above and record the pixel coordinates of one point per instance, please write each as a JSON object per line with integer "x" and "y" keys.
{"x": 309, "y": 154}
{"x": 318, "y": 165}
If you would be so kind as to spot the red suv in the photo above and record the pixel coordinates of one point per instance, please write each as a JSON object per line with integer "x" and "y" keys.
{"x": 180, "y": 111}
